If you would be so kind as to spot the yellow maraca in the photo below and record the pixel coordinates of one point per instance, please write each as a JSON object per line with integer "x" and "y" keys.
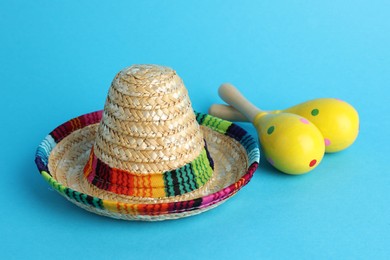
{"x": 337, "y": 120}
{"x": 291, "y": 143}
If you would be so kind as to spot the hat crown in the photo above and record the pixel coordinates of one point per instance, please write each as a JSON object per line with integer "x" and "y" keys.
{"x": 148, "y": 143}
{"x": 148, "y": 125}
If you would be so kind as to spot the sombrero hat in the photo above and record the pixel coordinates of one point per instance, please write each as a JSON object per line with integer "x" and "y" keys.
{"x": 147, "y": 155}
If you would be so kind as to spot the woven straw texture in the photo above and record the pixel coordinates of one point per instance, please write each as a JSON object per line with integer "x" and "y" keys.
{"x": 148, "y": 125}
{"x": 148, "y": 155}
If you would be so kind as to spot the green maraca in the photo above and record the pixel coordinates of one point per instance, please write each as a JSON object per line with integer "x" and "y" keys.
{"x": 337, "y": 120}
{"x": 291, "y": 143}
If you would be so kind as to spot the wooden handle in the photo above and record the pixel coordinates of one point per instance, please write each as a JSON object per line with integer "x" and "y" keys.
{"x": 233, "y": 97}
{"x": 227, "y": 112}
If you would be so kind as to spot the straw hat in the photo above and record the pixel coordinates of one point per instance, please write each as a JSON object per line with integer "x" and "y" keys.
{"x": 148, "y": 155}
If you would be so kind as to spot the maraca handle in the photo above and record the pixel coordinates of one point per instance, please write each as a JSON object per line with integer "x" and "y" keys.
{"x": 233, "y": 97}
{"x": 227, "y": 112}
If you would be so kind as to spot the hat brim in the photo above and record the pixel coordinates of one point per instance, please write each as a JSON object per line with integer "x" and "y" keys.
{"x": 62, "y": 155}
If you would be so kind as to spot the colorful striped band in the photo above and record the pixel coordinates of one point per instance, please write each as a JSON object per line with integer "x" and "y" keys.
{"x": 187, "y": 178}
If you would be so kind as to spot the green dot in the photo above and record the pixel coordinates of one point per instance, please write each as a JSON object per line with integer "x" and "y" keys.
{"x": 315, "y": 112}
{"x": 270, "y": 130}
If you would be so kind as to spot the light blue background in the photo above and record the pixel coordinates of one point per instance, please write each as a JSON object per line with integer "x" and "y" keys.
{"x": 57, "y": 59}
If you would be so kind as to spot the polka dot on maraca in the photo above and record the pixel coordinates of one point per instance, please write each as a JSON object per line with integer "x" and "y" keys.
{"x": 312, "y": 163}
{"x": 304, "y": 120}
{"x": 315, "y": 112}
{"x": 270, "y": 130}
{"x": 327, "y": 142}
{"x": 271, "y": 161}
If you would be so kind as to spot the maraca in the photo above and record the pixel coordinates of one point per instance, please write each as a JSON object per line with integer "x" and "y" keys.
{"x": 337, "y": 120}
{"x": 291, "y": 143}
